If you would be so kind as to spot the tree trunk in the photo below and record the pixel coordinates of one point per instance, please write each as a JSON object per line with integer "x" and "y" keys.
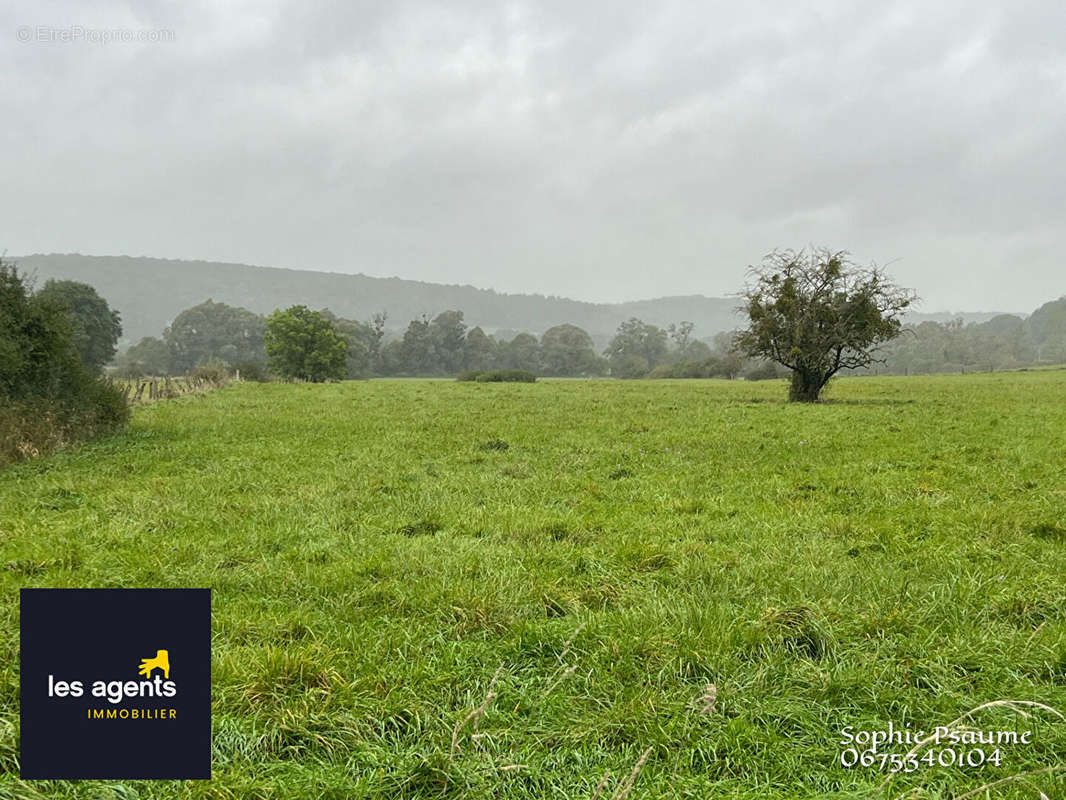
{"x": 805, "y": 387}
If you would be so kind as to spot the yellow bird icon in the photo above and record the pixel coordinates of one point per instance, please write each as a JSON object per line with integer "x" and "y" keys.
{"x": 161, "y": 660}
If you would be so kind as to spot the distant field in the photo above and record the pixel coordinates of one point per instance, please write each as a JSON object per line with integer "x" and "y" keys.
{"x": 379, "y": 549}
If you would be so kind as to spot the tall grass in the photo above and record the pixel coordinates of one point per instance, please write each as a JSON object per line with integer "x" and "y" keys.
{"x": 745, "y": 578}
{"x": 35, "y": 427}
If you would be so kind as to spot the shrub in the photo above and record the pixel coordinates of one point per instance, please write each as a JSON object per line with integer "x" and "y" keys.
{"x": 710, "y": 367}
{"x": 630, "y": 365}
{"x": 129, "y": 370}
{"x": 38, "y": 426}
{"x": 765, "y": 371}
{"x": 213, "y": 370}
{"x": 48, "y": 396}
{"x": 506, "y": 376}
{"x": 498, "y": 376}
{"x": 28, "y": 430}
{"x": 251, "y": 371}
{"x": 102, "y": 406}
{"x": 150, "y": 356}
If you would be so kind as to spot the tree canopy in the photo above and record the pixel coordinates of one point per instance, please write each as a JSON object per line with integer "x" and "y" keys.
{"x": 95, "y": 328}
{"x": 567, "y": 350}
{"x": 214, "y": 330}
{"x": 638, "y": 347}
{"x": 37, "y": 353}
{"x": 816, "y": 312}
{"x": 48, "y": 394}
{"x": 304, "y": 344}
{"x": 150, "y": 356}
{"x": 522, "y": 352}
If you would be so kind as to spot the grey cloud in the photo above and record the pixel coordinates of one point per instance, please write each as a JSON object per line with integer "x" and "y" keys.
{"x": 598, "y": 150}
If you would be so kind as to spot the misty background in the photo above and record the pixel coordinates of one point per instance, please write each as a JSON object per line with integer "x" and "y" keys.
{"x": 599, "y": 151}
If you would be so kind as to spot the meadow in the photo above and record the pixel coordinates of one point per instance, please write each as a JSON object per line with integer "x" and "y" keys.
{"x": 428, "y": 589}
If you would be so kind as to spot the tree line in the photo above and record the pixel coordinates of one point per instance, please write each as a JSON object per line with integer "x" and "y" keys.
{"x": 444, "y": 345}
{"x": 318, "y": 345}
{"x": 1003, "y": 342}
{"x": 811, "y": 314}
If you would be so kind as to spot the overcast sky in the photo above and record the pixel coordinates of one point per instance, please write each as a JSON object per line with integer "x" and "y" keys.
{"x": 603, "y": 150}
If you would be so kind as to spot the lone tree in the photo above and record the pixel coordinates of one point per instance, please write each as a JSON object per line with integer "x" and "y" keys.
{"x": 304, "y": 344}
{"x": 817, "y": 312}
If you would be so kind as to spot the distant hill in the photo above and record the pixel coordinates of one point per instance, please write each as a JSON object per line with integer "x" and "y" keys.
{"x": 966, "y": 316}
{"x": 150, "y": 292}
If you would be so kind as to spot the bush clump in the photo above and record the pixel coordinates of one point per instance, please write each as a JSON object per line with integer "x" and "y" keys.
{"x": 49, "y": 396}
{"x": 764, "y": 371}
{"x": 499, "y": 376}
{"x": 212, "y": 370}
{"x": 250, "y": 371}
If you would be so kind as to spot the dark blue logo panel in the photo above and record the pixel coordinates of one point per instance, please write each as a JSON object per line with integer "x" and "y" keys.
{"x": 116, "y": 684}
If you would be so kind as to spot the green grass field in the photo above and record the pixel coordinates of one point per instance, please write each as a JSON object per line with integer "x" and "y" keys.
{"x": 378, "y": 550}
